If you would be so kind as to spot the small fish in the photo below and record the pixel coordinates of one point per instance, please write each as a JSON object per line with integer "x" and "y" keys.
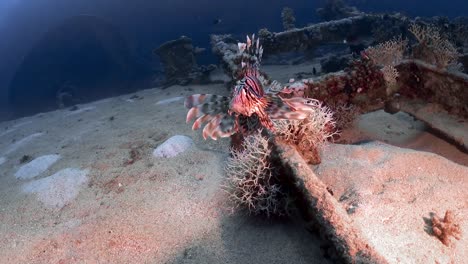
{"x": 217, "y": 21}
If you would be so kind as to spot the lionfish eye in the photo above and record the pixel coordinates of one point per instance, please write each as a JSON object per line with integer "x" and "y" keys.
{"x": 243, "y": 92}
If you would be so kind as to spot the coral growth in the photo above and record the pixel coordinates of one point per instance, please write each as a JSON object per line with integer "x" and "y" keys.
{"x": 252, "y": 180}
{"x": 390, "y": 75}
{"x": 387, "y": 55}
{"x": 310, "y": 134}
{"x": 344, "y": 114}
{"x": 444, "y": 228}
{"x": 287, "y": 16}
{"x": 362, "y": 83}
{"x": 364, "y": 76}
{"x": 432, "y": 47}
{"x": 361, "y": 76}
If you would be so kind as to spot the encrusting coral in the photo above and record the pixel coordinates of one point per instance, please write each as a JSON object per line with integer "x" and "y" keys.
{"x": 444, "y": 228}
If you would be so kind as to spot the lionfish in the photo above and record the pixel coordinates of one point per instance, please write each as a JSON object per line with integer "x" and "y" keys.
{"x": 250, "y": 106}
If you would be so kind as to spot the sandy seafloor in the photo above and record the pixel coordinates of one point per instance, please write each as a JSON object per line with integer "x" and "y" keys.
{"x": 154, "y": 210}
{"x": 131, "y": 207}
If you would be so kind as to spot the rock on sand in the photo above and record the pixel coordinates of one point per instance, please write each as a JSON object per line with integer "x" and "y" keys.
{"x": 173, "y": 147}
{"x": 36, "y": 167}
{"x": 59, "y": 189}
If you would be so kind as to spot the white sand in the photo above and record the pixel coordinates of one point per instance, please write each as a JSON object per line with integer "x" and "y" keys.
{"x": 24, "y": 141}
{"x": 36, "y": 167}
{"x": 391, "y": 191}
{"x": 169, "y": 100}
{"x": 80, "y": 110}
{"x": 8, "y": 131}
{"x": 57, "y": 190}
{"x": 402, "y": 130}
{"x": 13, "y": 127}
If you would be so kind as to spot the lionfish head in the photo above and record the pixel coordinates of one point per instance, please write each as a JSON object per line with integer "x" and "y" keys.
{"x": 247, "y": 96}
{"x": 239, "y": 106}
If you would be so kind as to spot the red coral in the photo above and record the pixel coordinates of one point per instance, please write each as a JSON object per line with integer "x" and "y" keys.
{"x": 446, "y": 227}
{"x": 364, "y": 76}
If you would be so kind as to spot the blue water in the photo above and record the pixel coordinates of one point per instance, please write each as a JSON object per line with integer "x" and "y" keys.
{"x": 147, "y": 24}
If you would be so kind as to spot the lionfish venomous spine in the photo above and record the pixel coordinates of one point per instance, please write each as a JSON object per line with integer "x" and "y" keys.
{"x": 250, "y": 106}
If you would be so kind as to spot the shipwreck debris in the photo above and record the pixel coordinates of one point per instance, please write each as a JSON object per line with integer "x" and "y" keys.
{"x": 179, "y": 61}
{"x": 322, "y": 208}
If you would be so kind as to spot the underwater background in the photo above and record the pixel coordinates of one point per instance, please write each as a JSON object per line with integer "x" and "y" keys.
{"x": 175, "y": 131}
{"x": 144, "y": 25}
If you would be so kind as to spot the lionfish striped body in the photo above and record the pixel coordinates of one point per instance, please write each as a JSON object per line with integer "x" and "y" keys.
{"x": 249, "y": 107}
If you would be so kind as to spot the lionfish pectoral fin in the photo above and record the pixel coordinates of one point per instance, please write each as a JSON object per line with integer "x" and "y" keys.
{"x": 218, "y": 133}
{"x": 220, "y": 126}
{"x": 216, "y": 105}
{"x": 211, "y": 127}
{"x": 194, "y": 100}
{"x": 265, "y": 120}
{"x": 296, "y": 108}
{"x": 192, "y": 113}
{"x": 198, "y": 123}
{"x": 198, "y": 99}
{"x": 292, "y": 115}
{"x": 302, "y": 104}
{"x": 267, "y": 123}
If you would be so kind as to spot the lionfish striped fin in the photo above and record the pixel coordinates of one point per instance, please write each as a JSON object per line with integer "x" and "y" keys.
{"x": 199, "y": 122}
{"x": 224, "y": 128}
{"x": 242, "y": 47}
{"x": 197, "y": 99}
{"x": 211, "y": 108}
{"x": 274, "y": 87}
{"x": 302, "y": 104}
{"x": 212, "y": 124}
{"x": 265, "y": 120}
{"x": 296, "y": 108}
{"x": 249, "y": 42}
{"x": 253, "y": 49}
{"x": 219, "y": 126}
